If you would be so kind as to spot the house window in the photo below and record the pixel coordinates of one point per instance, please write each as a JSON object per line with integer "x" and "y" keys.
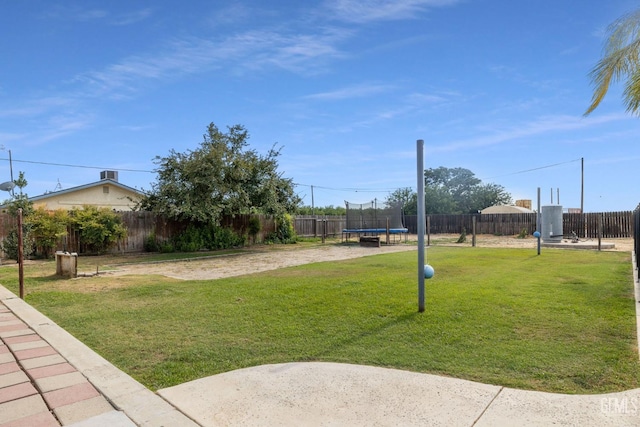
{"x": 105, "y": 189}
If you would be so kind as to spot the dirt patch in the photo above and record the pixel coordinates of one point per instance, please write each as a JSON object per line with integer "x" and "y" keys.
{"x": 256, "y": 261}
{"x": 264, "y": 259}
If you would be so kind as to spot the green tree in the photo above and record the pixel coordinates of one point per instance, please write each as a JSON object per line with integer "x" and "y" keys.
{"x": 221, "y": 177}
{"x": 321, "y": 210}
{"x": 19, "y": 201}
{"x": 620, "y": 60}
{"x": 449, "y": 190}
{"x": 452, "y": 191}
{"x": 489, "y": 195}
{"x": 407, "y": 199}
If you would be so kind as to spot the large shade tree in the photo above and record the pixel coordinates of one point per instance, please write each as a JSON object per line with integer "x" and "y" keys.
{"x": 620, "y": 60}
{"x": 221, "y": 177}
{"x": 452, "y": 191}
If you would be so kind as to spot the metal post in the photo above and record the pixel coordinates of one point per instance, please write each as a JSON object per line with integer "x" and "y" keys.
{"x": 20, "y": 255}
{"x": 421, "y": 224}
{"x": 538, "y": 221}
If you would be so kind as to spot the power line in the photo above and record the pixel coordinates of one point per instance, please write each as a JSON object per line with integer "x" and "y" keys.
{"x": 349, "y": 189}
{"x": 535, "y": 169}
{"x": 79, "y": 166}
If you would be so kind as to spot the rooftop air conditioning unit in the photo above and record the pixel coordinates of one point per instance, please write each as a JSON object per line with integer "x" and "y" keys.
{"x": 112, "y": 175}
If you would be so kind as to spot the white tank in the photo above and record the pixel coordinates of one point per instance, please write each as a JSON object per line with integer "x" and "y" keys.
{"x": 551, "y": 223}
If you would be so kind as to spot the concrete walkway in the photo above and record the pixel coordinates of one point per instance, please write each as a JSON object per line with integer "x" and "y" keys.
{"x": 49, "y": 378}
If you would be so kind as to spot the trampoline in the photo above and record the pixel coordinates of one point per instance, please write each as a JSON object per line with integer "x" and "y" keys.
{"x": 369, "y": 219}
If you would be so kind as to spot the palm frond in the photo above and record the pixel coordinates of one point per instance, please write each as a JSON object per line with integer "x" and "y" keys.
{"x": 621, "y": 58}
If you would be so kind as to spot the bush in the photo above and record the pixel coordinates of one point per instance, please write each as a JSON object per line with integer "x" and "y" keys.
{"x": 99, "y": 228}
{"x": 254, "y": 227}
{"x": 47, "y": 228}
{"x": 190, "y": 240}
{"x": 224, "y": 238}
{"x": 151, "y": 243}
{"x": 167, "y": 248}
{"x": 10, "y": 244}
{"x": 285, "y": 231}
{"x": 463, "y": 236}
{"x": 211, "y": 237}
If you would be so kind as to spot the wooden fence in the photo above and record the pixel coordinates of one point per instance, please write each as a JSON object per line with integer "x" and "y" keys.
{"x": 611, "y": 224}
{"x": 314, "y": 225}
{"x": 141, "y": 225}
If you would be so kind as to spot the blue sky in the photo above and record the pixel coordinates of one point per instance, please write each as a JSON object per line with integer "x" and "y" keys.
{"x": 344, "y": 87}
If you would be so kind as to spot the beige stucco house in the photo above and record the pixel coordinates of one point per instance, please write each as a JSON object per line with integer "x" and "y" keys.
{"x": 505, "y": 209}
{"x": 106, "y": 193}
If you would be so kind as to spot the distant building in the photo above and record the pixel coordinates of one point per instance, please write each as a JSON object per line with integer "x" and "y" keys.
{"x": 106, "y": 193}
{"x": 524, "y": 203}
{"x": 505, "y": 209}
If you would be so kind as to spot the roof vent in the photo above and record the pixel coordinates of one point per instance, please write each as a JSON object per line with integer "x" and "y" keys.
{"x": 112, "y": 175}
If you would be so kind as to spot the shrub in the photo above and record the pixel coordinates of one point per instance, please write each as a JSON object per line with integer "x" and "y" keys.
{"x": 167, "y": 248}
{"x": 99, "y": 228}
{"x": 285, "y": 232}
{"x": 463, "y": 236}
{"x": 151, "y": 243}
{"x": 190, "y": 240}
{"x": 10, "y": 244}
{"x": 254, "y": 227}
{"x": 211, "y": 237}
{"x": 224, "y": 238}
{"x": 47, "y": 228}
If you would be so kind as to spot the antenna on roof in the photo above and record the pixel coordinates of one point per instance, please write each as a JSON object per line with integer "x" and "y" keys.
{"x": 58, "y": 186}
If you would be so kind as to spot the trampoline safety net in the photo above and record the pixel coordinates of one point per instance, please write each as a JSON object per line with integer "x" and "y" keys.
{"x": 371, "y": 216}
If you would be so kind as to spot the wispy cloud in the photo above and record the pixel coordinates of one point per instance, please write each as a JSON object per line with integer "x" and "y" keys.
{"x": 357, "y": 91}
{"x": 231, "y": 14}
{"x": 78, "y": 13}
{"x": 59, "y": 126}
{"x": 131, "y": 17}
{"x": 8, "y": 137}
{"x": 36, "y": 107}
{"x": 513, "y": 74}
{"x": 540, "y": 126}
{"x": 362, "y": 11}
{"x": 408, "y": 105}
{"x": 251, "y": 50}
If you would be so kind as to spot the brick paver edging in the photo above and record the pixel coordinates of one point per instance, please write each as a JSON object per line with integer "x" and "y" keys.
{"x": 49, "y": 378}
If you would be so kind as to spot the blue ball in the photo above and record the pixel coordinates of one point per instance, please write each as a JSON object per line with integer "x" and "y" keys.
{"x": 428, "y": 271}
{"x": 536, "y": 234}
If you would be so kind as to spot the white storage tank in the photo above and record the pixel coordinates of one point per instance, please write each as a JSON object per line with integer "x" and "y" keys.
{"x": 551, "y": 223}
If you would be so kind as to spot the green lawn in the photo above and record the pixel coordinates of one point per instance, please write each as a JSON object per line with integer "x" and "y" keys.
{"x": 563, "y": 321}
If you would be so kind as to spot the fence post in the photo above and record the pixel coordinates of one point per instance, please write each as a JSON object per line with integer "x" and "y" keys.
{"x": 473, "y": 227}
{"x": 600, "y": 231}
